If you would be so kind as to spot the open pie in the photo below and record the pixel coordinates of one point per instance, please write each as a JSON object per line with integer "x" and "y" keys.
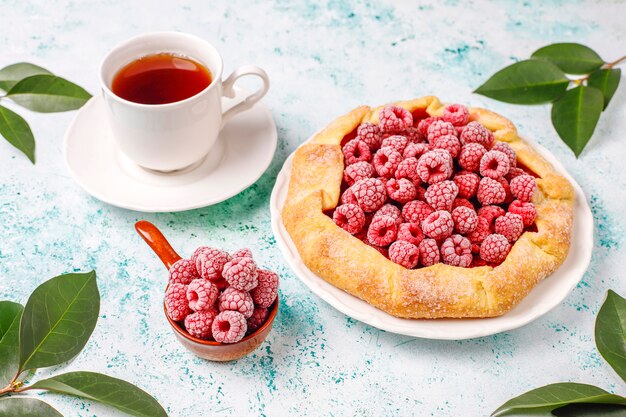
{"x": 428, "y": 211}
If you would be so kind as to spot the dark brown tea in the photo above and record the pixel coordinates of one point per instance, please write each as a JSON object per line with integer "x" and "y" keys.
{"x": 160, "y": 79}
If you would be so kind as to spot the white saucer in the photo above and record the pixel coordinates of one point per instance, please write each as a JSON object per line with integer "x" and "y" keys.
{"x": 242, "y": 153}
{"x": 546, "y": 295}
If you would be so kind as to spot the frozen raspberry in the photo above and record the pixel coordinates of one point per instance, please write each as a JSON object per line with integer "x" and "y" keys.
{"x": 449, "y": 143}
{"x": 404, "y": 253}
{"x": 394, "y": 119}
{"x": 456, "y": 114}
{"x": 382, "y": 231}
{"x": 410, "y": 232}
{"x": 183, "y": 271}
{"x": 494, "y": 164}
{"x": 199, "y": 324}
{"x": 391, "y": 211}
{"x": 415, "y": 150}
{"x": 416, "y": 211}
{"x": 401, "y": 190}
{"x": 438, "y": 225}
{"x": 523, "y": 187}
{"x": 490, "y": 191}
{"x": 515, "y": 172}
{"x": 506, "y": 149}
{"x": 241, "y": 273}
{"x": 229, "y": 327}
{"x": 380, "y": 249}
{"x": 507, "y": 189}
{"x": 491, "y": 213}
{"x": 481, "y": 232}
{"x": 441, "y": 195}
{"x": 356, "y": 151}
{"x": 370, "y": 194}
{"x": 423, "y": 125}
{"x": 429, "y": 252}
{"x": 408, "y": 169}
{"x": 349, "y": 217}
{"x": 358, "y": 171}
{"x": 494, "y": 248}
{"x": 265, "y": 293}
{"x": 465, "y": 220}
{"x": 471, "y": 155}
{"x": 474, "y": 132}
{"x": 242, "y": 253}
{"x": 456, "y": 251}
{"x": 413, "y": 135}
{"x": 370, "y": 134}
{"x": 510, "y": 226}
{"x": 467, "y": 183}
{"x": 236, "y": 300}
{"x": 386, "y": 161}
{"x": 347, "y": 197}
{"x": 438, "y": 129}
{"x": 397, "y": 142}
{"x": 524, "y": 209}
{"x": 435, "y": 166}
{"x": 258, "y": 318}
{"x": 176, "y": 302}
{"x": 201, "y": 294}
{"x": 210, "y": 262}
{"x": 421, "y": 192}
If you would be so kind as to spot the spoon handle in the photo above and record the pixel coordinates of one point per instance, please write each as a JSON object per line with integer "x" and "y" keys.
{"x": 159, "y": 244}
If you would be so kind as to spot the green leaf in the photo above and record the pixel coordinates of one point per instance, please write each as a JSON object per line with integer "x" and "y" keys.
{"x": 105, "y": 389}
{"x": 26, "y": 407}
{"x": 576, "y": 114}
{"x": 10, "y": 75}
{"x": 17, "y": 132}
{"x": 58, "y": 320}
{"x": 591, "y": 410}
{"x": 573, "y": 58}
{"x": 10, "y": 314}
{"x": 605, "y": 80}
{"x": 48, "y": 94}
{"x": 553, "y": 396}
{"x": 526, "y": 82}
{"x": 611, "y": 332}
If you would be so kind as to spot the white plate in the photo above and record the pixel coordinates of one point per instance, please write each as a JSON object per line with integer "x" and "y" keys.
{"x": 242, "y": 153}
{"x": 545, "y": 296}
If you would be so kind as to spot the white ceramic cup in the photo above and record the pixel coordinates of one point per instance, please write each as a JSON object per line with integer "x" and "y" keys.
{"x": 172, "y": 136}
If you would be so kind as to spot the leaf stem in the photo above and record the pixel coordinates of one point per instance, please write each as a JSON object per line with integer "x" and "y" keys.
{"x": 616, "y": 62}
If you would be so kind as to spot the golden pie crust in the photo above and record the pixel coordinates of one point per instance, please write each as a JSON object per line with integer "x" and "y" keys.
{"x": 436, "y": 291}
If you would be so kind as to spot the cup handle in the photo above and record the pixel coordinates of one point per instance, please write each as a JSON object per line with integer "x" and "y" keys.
{"x": 229, "y": 91}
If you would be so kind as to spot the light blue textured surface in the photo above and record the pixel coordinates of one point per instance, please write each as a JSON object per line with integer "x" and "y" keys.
{"x": 324, "y": 58}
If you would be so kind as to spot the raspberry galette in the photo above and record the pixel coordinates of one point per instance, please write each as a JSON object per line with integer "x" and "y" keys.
{"x": 428, "y": 211}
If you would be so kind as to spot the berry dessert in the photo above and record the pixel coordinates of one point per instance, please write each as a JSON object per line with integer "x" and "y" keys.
{"x": 218, "y": 296}
{"x": 427, "y": 210}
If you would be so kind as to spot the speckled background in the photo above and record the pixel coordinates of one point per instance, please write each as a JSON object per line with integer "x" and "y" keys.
{"x": 324, "y": 58}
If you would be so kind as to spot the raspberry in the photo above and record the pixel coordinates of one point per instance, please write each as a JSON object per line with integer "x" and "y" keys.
{"x": 358, "y": 171}
{"x": 510, "y": 226}
{"x": 183, "y": 271}
{"x": 242, "y": 253}
{"x": 370, "y": 134}
{"x": 370, "y": 194}
{"x": 494, "y": 164}
{"x": 349, "y": 217}
{"x": 456, "y": 114}
{"x": 465, "y": 220}
{"x": 441, "y": 195}
{"x": 462, "y": 202}
{"x": 397, "y": 142}
{"x": 491, "y": 213}
{"x": 382, "y": 231}
{"x": 382, "y": 250}
{"x": 259, "y": 316}
{"x": 348, "y": 197}
{"x": 265, "y": 293}
{"x": 490, "y": 191}
{"x": 524, "y": 209}
{"x": 494, "y": 248}
{"x": 435, "y": 166}
{"x": 386, "y": 161}
{"x": 506, "y": 149}
{"x": 401, "y": 190}
{"x": 356, "y": 151}
{"x": 438, "y": 129}
{"x": 199, "y": 324}
{"x": 457, "y": 251}
{"x": 467, "y": 183}
{"x": 474, "y": 132}
{"x": 404, "y": 253}
{"x": 514, "y": 172}
{"x": 236, "y": 300}
{"x": 391, "y": 211}
{"x": 229, "y": 327}
{"x": 210, "y": 262}
{"x": 507, "y": 189}
{"x": 201, "y": 294}
{"x": 523, "y": 187}
{"x": 394, "y": 119}
{"x": 449, "y": 143}
{"x": 429, "y": 252}
{"x": 481, "y": 232}
{"x": 241, "y": 273}
{"x": 176, "y": 302}
{"x": 416, "y": 211}
{"x": 423, "y": 125}
{"x": 408, "y": 169}
{"x": 413, "y": 135}
{"x": 421, "y": 192}
{"x": 471, "y": 155}
{"x": 438, "y": 225}
{"x": 410, "y": 232}
{"x": 415, "y": 150}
